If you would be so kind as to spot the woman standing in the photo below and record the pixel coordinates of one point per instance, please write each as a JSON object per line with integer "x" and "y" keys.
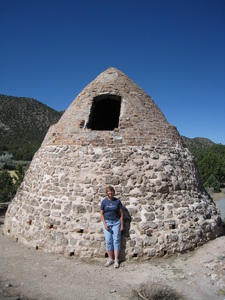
{"x": 112, "y": 224}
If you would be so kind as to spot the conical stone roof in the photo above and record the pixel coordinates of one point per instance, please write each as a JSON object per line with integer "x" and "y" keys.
{"x": 140, "y": 121}
{"x": 113, "y": 133}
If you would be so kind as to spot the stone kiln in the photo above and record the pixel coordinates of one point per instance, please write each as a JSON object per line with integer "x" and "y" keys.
{"x": 113, "y": 134}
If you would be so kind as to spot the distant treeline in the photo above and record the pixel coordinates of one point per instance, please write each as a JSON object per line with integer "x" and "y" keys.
{"x": 210, "y": 160}
{"x": 211, "y": 166}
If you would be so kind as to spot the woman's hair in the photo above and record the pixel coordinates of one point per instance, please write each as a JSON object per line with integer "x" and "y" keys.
{"x": 110, "y": 188}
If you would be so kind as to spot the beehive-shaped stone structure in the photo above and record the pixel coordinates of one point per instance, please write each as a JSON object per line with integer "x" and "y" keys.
{"x": 113, "y": 134}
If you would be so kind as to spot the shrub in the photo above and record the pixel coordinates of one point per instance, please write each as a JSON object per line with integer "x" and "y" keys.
{"x": 5, "y": 161}
{"x": 18, "y": 178}
{"x": 7, "y": 189}
{"x": 155, "y": 291}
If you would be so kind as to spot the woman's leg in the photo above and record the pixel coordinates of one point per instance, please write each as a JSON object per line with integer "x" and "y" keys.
{"x": 108, "y": 242}
{"x": 116, "y": 235}
{"x": 116, "y": 254}
{"x": 110, "y": 254}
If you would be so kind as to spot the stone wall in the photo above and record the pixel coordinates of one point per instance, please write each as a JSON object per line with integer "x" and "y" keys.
{"x": 57, "y": 207}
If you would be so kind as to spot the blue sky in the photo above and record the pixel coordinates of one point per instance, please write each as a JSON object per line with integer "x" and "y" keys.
{"x": 173, "y": 49}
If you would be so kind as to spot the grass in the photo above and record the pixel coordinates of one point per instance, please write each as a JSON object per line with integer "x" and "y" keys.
{"x": 155, "y": 291}
{"x": 221, "y": 292}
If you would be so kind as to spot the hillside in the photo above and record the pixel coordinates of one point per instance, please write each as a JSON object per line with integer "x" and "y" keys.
{"x": 23, "y": 125}
{"x": 197, "y": 143}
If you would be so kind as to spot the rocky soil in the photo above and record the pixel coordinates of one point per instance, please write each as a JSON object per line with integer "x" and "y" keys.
{"x": 218, "y": 196}
{"x": 26, "y": 273}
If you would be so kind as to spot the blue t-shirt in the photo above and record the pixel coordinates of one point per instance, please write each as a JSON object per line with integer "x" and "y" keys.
{"x": 111, "y": 208}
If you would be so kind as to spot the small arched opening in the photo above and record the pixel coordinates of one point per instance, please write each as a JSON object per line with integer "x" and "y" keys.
{"x": 105, "y": 113}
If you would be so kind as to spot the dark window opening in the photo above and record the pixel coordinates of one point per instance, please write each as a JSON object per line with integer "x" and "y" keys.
{"x": 105, "y": 113}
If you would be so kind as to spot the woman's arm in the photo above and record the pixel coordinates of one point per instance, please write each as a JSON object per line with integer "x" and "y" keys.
{"x": 121, "y": 219}
{"x": 103, "y": 219}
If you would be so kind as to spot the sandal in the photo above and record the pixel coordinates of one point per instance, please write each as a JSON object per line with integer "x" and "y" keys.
{"x": 109, "y": 263}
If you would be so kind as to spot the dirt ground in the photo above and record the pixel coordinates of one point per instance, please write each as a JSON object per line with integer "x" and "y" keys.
{"x": 218, "y": 196}
{"x": 26, "y": 273}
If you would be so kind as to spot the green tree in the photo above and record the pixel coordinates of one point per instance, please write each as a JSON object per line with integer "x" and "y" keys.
{"x": 212, "y": 182}
{"x": 7, "y": 189}
{"x": 18, "y": 178}
{"x": 212, "y": 161}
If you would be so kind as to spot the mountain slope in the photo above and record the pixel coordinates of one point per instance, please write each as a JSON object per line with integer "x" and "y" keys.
{"x": 197, "y": 143}
{"x": 23, "y": 125}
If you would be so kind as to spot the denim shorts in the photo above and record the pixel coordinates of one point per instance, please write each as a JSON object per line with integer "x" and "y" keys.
{"x": 113, "y": 235}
